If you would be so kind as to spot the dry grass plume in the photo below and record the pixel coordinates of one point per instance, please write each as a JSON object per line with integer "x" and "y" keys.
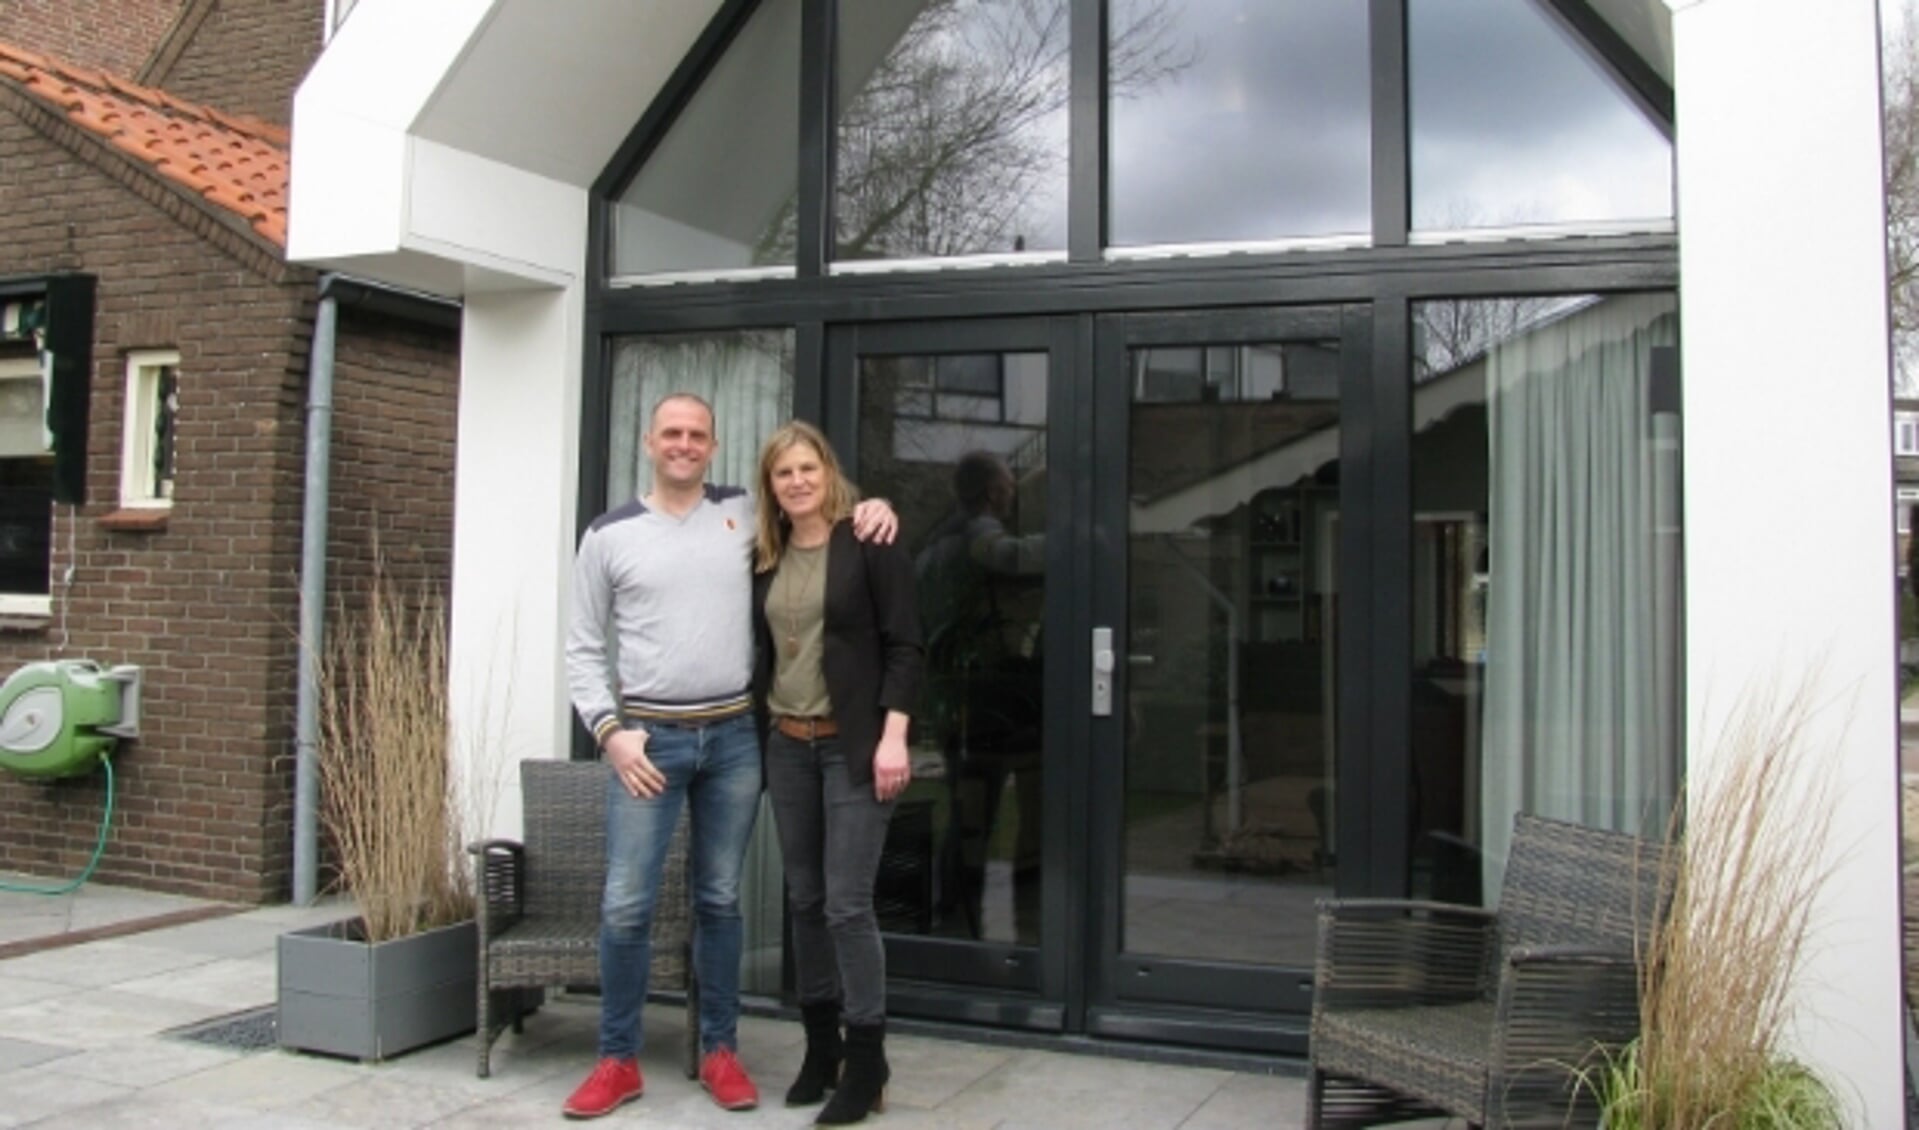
{"x": 389, "y": 797}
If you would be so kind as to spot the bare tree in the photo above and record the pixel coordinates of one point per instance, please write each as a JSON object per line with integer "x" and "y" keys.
{"x": 949, "y": 144}
{"x": 1900, "y": 68}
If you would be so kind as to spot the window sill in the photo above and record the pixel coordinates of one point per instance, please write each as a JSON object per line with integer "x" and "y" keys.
{"x": 136, "y": 518}
{"x": 23, "y": 623}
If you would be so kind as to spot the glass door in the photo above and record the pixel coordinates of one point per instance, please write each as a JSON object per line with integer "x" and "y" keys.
{"x": 958, "y": 424}
{"x": 1215, "y": 752}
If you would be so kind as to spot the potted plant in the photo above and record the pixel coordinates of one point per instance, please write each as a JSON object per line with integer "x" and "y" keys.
{"x": 401, "y": 973}
{"x": 1715, "y": 996}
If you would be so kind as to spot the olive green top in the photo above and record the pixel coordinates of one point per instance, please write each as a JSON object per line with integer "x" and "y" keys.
{"x": 796, "y": 613}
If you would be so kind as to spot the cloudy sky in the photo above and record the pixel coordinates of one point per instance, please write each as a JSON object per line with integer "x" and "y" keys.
{"x": 1264, "y": 135}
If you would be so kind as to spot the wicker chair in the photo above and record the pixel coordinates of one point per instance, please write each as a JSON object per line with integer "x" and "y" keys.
{"x": 1424, "y": 1008}
{"x": 539, "y": 905}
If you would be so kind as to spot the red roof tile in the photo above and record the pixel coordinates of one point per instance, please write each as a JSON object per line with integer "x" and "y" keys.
{"x": 236, "y": 162}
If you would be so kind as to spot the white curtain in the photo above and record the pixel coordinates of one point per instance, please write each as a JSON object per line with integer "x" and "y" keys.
{"x": 1582, "y": 601}
{"x": 746, "y": 375}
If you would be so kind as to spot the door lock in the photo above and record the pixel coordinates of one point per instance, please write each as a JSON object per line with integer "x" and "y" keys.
{"x": 1103, "y": 664}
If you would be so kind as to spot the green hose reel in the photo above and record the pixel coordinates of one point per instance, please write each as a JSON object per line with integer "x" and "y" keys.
{"x": 60, "y": 718}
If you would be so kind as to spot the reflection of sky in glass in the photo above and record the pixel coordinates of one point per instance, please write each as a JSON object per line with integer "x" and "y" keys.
{"x": 1513, "y": 122}
{"x": 1244, "y": 120}
{"x": 718, "y": 191}
{"x": 952, "y": 135}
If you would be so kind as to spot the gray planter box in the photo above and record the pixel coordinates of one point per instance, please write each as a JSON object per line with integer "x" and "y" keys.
{"x": 341, "y": 996}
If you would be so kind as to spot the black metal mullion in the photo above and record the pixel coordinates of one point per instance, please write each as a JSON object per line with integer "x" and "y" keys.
{"x": 1086, "y": 178}
{"x": 1389, "y": 520}
{"x": 819, "y": 20}
{"x": 1355, "y": 782}
{"x": 1392, "y": 129}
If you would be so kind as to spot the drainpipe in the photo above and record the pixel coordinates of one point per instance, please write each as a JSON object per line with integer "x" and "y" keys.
{"x": 313, "y": 542}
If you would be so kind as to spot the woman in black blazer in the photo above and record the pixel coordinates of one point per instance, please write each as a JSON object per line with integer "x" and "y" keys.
{"x": 838, "y": 672}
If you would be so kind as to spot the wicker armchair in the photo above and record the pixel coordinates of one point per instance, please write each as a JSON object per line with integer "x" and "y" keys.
{"x": 539, "y": 905}
{"x": 1424, "y": 1008}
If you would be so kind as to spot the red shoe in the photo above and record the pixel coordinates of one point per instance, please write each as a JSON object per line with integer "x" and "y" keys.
{"x": 613, "y": 1084}
{"x": 724, "y": 1079}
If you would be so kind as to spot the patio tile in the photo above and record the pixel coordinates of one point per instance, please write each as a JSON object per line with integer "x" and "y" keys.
{"x": 32, "y": 1095}
{"x": 20, "y": 990}
{"x": 266, "y": 1081}
{"x": 94, "y": 1017}
{"x": 101, "y": 963}
{"x": 1059, "y": 1091}
{"x": 143, "y": 1062}
{"x": 226, "y": 984}
{"x": 1268, "y": 1101}
{"x": 16, "y": 1055}
{"x": 387, "y": 1099}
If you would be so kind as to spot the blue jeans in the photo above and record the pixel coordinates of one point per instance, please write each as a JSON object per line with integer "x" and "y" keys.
{"x": 715, "y": 768}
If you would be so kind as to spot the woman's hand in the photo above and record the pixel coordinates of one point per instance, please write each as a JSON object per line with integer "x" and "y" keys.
{"x": 875, "y": 521}
{"x": 892, "y": 769}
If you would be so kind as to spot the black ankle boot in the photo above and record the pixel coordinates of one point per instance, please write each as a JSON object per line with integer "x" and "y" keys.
{"x": 820, "y": 1072}
{"x": 863, "y": 1084}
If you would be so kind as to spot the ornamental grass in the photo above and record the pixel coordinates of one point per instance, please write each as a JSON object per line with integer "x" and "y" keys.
{"x": 1716, "y": 987}
{"x": 389, "y": 798}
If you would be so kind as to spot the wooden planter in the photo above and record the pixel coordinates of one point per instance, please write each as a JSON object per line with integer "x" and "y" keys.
{"x": 342, "y": 996}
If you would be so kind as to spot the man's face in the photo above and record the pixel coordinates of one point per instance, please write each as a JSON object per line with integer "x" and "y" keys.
{"x": 681, "y": 444}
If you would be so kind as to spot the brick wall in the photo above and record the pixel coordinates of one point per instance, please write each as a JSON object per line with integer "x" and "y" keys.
{"x": 395, "y": 390}
{"x": 208, "y": 606}
{"x": 113, "y": 35}
{"x": 243, "y": 56}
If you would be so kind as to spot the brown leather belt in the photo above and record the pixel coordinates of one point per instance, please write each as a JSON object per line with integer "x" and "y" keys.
{"x": 805, "y": 729}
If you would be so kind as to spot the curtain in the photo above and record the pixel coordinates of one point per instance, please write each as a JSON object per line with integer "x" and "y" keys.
{"x": 1582, "y": 616}
{"x": 746, "y": 375}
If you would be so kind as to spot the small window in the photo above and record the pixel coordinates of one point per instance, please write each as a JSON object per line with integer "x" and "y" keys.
{"x": 1905, "y": 433}
{"x": 147, "y": 446}
{"x": 26, "y": 490}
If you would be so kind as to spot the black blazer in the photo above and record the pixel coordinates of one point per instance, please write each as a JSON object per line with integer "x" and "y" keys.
{"x": 872, "y": 642}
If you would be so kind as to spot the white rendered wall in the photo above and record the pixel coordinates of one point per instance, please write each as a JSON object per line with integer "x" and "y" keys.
{"x": 1789, "y": 551}
{"x": 514, "y": 501}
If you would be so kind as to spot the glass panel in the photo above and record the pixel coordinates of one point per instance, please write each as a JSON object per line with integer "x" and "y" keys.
{"x": 1545, "y": 574}
{"x": 23, "y": 416}
{"x": 719, "y": 191}
{"x": 26, "y": 524}
{"x": 1515, "y": 122}
{"x": 1232, "y": 613}
{"x": 963, "y": 855}
{"x": 1238, "y": 121}
{"x": 747, "y": 376}
{"x": 952, "y": 131}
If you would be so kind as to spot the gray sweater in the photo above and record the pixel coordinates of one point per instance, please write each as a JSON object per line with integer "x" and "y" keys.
{"x": 662, "y": 611}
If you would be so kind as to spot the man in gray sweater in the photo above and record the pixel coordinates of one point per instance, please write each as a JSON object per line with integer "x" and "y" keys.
{"x": 670, "y": 575}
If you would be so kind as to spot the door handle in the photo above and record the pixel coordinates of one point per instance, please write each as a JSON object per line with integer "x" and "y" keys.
{"x": 1103, "y": 664}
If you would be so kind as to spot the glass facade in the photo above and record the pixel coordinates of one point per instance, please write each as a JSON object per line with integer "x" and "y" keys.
{"x": 1516, "y": 123}
{"x": 1237, "y": 121}
{"x": 719, "y": 190}
{"x": 1291, "y": 563}
{"x": 1545, "y": 571}
{"x": 951, "y": 137}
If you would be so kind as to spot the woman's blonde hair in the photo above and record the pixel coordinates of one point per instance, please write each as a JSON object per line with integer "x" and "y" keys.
{"x": 837, "y": 503}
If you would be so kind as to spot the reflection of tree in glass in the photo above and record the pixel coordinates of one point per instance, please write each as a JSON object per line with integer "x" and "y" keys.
{"x": 1451, "y": 332}
{"x": 947, "y": 149}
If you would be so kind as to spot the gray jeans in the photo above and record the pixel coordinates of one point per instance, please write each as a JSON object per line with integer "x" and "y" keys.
{"x": 831, "y": 833}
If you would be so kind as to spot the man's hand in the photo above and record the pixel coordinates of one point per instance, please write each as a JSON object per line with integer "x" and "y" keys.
{"x": 626, "y": 753}
{"x": 874, "y": 520}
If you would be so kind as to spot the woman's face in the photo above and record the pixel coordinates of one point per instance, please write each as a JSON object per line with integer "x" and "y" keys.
{"x": 799, "y": 481}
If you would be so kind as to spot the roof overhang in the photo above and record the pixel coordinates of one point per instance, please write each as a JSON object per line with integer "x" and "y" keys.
{"x": 449, "y": 147}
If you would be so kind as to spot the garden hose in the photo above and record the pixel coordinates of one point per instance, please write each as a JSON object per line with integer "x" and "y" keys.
{"x": 99, "y": 846}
